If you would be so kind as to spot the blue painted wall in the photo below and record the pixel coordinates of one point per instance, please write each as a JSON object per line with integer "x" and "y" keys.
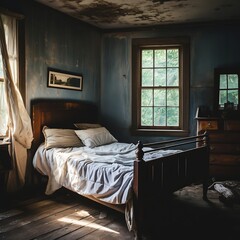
{"x": 212, "y": 46}
{"x": 56, "y": 40}
{"x": 59, "y": 41}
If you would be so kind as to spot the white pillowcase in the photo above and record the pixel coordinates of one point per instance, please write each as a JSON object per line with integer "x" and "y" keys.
{"x": 94, "y": 137}
{"x": 57, "y": 137}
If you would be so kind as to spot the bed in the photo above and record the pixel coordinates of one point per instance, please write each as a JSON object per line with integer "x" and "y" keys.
{"x": 144, "y": 175}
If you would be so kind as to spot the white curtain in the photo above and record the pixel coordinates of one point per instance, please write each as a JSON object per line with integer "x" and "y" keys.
{"x": 3, "y": 110}
{"x": 3, "y": 103}
{"x": 19, "y": 121}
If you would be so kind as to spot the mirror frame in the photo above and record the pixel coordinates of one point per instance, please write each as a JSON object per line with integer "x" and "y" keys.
{"x": 217, "y": 73}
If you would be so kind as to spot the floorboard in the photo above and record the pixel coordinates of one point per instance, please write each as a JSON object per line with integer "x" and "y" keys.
{"x": 65, "y": 215}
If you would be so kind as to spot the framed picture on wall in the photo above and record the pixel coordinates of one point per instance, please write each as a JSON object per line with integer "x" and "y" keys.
{"x": 66, "y": 80}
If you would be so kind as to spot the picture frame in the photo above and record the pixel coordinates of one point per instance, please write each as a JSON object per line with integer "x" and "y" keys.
{"x": 65, "y": 80}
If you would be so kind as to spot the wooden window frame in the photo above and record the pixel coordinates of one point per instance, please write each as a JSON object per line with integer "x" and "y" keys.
{"x": 184, "y": 56}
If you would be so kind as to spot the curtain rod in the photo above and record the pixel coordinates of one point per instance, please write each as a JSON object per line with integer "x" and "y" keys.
{"x": 5, "y": 11}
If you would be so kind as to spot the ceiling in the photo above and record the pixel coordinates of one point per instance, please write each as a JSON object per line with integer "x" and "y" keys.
{"x": 112, "y": 14}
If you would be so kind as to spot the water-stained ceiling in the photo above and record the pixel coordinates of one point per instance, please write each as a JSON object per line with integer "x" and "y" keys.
{"x": 112, "y": 14}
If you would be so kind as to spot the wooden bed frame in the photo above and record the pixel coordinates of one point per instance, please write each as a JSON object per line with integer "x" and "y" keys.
{"x": 155, "y": 180}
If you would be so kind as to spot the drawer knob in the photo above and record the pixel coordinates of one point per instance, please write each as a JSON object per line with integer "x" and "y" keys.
{"x": 212, "y": 148}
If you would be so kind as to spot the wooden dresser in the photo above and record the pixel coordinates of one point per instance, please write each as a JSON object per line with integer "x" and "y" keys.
{"x": 224, "y": 137}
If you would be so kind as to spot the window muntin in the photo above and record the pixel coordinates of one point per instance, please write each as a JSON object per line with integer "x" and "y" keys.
{"x": 160, "y": 86}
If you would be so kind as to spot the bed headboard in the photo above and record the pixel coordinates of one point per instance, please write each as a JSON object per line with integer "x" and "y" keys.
{"x": 60, "y": 114}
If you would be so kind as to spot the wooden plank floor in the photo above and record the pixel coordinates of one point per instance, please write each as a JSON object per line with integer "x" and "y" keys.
{"x": 68, "y": 216}
{"x": 64, "y": 216}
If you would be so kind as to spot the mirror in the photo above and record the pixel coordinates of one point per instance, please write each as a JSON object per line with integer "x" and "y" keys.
{"x": 227, "y": 89}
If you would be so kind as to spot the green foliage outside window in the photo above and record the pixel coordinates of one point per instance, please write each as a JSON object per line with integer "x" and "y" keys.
{"x": 160, "y": 87}
{"x": 228, "y": 89}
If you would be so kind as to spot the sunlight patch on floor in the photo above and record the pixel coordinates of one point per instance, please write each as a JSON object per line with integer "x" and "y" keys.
{"x": 84, "y": 223}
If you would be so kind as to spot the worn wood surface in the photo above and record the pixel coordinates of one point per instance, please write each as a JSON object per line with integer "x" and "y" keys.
{"x": 64, "y": 215}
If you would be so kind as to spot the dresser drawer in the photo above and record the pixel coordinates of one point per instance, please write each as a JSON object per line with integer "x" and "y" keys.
{"x": 224, "y": 159}
{"x": 233, "y": 148}
{"x": 208, "y": 125}
{"x": 224, "y": 137}
{"x": 225, "y": 171}
{"x": 231, "y": 125}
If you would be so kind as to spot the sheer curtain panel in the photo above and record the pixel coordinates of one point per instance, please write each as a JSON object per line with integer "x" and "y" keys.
{"x": 19, "y": 122}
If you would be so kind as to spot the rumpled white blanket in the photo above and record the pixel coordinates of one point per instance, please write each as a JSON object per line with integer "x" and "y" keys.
{"x": 104, "y": 172}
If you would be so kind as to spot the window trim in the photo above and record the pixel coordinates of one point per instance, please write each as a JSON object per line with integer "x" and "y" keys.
{"x": 183, "y": 44}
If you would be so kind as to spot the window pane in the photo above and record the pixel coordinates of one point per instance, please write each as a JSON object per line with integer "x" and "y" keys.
{"x": 3, "y": 103}
{"x": 173, "y": 97}
{"x": 146, "y": 116}
{"x": 172, "y": 58}
{"x": 3, "y": 111}
{"x": 223, "y": 81}
{"x": 222, "y": 97}
{"x": 160, "y": 58}
{"x": 160, "y": 77}
{"x": 233, "y": 96}
{"x": 147, "y": 97}
{"x": 172, "y": 77}
{"x": 159, "y": 97}
{"x": 147, "y": 58}
{"x": 147, "y": 77}
{"x": 159, "y": 116}
{"x": 232, "y": 81}
{"x": 172, "y": 116}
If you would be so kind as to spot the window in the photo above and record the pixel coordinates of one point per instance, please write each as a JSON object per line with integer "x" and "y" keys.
{"x": 3, "y": 110}
{"x": 3, "y": 104}
{"x": 14, "y": 34}
{"x": 161, "y": 86}
{"x": 227, "y": 82}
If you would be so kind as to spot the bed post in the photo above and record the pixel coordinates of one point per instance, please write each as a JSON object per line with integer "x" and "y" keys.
{"x": 206, "y": 177}
{"x": 138, "y": 185}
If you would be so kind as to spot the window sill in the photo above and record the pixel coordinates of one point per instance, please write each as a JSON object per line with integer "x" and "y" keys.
{"x": 153, "y": 132}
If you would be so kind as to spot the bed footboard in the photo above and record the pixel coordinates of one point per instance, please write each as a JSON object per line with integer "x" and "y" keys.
{"x": 157, "y": 179}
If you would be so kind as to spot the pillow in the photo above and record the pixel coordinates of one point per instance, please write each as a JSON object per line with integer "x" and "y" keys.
{"x": 84, "y": 126}
{"x": 94, "y": 137}
{"x": 56, "y": 137}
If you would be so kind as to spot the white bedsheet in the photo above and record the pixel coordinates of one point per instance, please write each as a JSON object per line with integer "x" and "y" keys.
{"x": 104, "y": 172}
